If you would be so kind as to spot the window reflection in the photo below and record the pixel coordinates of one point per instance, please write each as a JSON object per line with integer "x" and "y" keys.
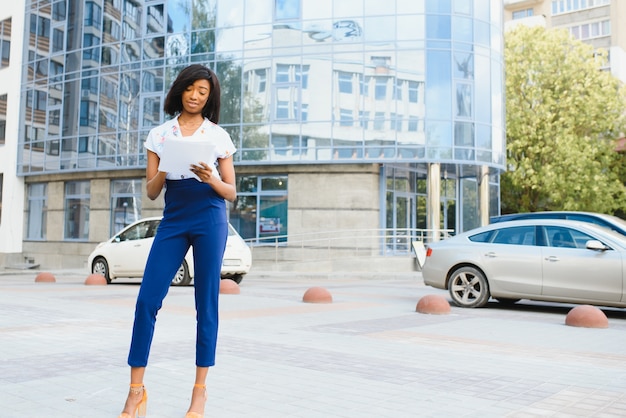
{"x": 347, "y": 8}
{"x": 126, "y": 204}
{"x": 463, "y": 100}
{"x": 303, "y": 80}
{"x": 37, "y": 208}
{"x": 58, "y": 40}
{"x": 260, "y": 211}
{"x": 462, "y": 7}
{"x": 438, "y": 27}
{"x": 463, "y": 65}
{"x": 438, "y": 88}
{"x": 77, "y": 196}
{"x": 155, "y": 19}
{"x": 59, "y": 10}
{"x": 3, "y": 117}
{"x": 287, "y": 9}
{"x": 462, "y": 29}
{"x": 154, "y": 48}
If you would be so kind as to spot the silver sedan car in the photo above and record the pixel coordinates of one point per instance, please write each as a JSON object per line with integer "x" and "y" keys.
{"x": 539, "y": 259}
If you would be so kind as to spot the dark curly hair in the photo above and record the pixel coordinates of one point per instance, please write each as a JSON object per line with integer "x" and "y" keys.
{"x": 189, "y": 75}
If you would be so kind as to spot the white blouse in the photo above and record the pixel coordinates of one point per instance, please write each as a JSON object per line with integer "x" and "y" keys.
{"x": 208, "y": 131}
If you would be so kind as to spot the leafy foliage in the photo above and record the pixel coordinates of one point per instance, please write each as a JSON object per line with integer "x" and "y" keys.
{"x": 563, "y": 116}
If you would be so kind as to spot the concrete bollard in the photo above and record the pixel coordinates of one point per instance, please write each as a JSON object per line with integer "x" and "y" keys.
{"x": 586, "y": 316}
{"x": 433, "y": 304}
{"x": 317, "y": 295}
{"x": 45, "y": 277}
{"x": 96, "y": 279}
{"x": 229, "y": 287}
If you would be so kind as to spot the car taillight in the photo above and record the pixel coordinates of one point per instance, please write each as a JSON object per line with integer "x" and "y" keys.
{"x": 429, "y": 252}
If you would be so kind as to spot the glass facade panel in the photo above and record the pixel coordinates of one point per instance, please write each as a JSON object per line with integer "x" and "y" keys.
{"x": 287, "y": 10}
{"x": 260, "y": 211}
{"x": 463, "y": 30}
{"x": 469, "y": 190}
{"x": 316, "y": 9}
{"x": 303, "y": 81}
{"x": 438, "y": 27}
{"x": 375, "y": 89}
{"x": 439, "y": 85}
{"x": 125, "y": 203}
{"x": 464, "y": 96}
{"x": 483, "y": 89}
{"x": 438, "y": 6}
{"x": 347, "y": 8}
{"x": 37, "y": 209}
{"x": 448, "y": 203}
{"x": 406, "y": 198}
{"x": 462, "y": 7}
{"x": 3, "y": 118}
{"x": 77, "y": 196}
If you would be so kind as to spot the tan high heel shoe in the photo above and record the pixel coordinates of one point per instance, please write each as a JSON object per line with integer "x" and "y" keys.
{"x": 140, "y": 410}
{"x": 195, "y": 414}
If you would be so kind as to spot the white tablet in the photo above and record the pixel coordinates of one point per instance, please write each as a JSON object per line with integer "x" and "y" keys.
{"x": 179, "y": 154}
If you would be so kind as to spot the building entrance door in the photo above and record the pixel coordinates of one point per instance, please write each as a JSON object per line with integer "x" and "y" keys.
{"x": 403, "y": 226}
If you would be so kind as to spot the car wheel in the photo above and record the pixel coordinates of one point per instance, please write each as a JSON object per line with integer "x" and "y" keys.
{"x": 182, "y": 277}
{"x": 469, "y": 288}
{"x": 237, "y": 278}
{"x": 101, "y": 267}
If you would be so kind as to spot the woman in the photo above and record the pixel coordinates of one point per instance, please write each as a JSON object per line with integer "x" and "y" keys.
{"x": 194, "y": 214}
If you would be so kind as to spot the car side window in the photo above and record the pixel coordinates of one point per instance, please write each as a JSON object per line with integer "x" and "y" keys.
{"x": 566, "y": 238}
{"x": 482, "y": 237}
{"x": 152, "y": 228}
{"x": 519, "y": 235}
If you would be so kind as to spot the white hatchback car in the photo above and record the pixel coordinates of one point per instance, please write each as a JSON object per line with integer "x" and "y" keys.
{"x": 125, "y": 254}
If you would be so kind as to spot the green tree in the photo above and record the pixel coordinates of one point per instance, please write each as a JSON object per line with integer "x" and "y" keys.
{"x": 236, "y": 106}
{"x": 563, "y": 115}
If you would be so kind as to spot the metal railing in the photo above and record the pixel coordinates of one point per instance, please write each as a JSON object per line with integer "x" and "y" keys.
{"x": 340, "y": 249}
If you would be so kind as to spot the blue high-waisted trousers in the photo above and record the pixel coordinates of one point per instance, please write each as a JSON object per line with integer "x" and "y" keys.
{"x": 194, "y": 215}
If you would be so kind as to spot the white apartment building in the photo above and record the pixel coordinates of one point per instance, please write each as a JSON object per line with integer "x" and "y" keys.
{"x": 599, "y": 23}
{"x": 11, "y": 186}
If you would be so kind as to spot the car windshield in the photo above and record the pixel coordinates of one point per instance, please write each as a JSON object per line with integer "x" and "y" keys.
{"x": 617, "y": 220}
{"x": 614, "y": 234}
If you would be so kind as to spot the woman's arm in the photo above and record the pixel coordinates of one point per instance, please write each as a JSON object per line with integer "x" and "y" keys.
{"x": 228, "y": 188}
{"x": 155, "y": 179}
{"x": 224, "y": 187}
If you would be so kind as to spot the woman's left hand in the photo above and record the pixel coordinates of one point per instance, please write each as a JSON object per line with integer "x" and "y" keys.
{"x": 203, "y": 171}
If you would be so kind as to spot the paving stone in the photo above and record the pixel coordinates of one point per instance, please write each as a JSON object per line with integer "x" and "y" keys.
{"x": 63, "y": 350}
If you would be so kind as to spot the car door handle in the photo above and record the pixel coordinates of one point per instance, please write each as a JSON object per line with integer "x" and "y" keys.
{"x": 491, "y": 254}
{"x": 552, "y": 258}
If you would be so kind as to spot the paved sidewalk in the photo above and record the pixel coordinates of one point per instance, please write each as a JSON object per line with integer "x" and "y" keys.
{"x": 63, "y": 350}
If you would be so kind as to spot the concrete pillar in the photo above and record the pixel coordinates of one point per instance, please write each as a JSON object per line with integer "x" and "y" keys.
{"x": 483, "y": 195}
{"x": 433, "y": 215}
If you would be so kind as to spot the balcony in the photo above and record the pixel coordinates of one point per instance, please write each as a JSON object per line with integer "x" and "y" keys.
{"x": 538, "y": 20}
{"x": 516, "y": 4}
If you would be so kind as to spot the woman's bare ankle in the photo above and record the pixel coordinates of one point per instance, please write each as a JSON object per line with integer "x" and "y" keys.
{"x": 198, "y": 399}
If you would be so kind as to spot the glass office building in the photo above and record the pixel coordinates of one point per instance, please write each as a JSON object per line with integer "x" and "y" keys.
{"x": 345, "y": 113}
